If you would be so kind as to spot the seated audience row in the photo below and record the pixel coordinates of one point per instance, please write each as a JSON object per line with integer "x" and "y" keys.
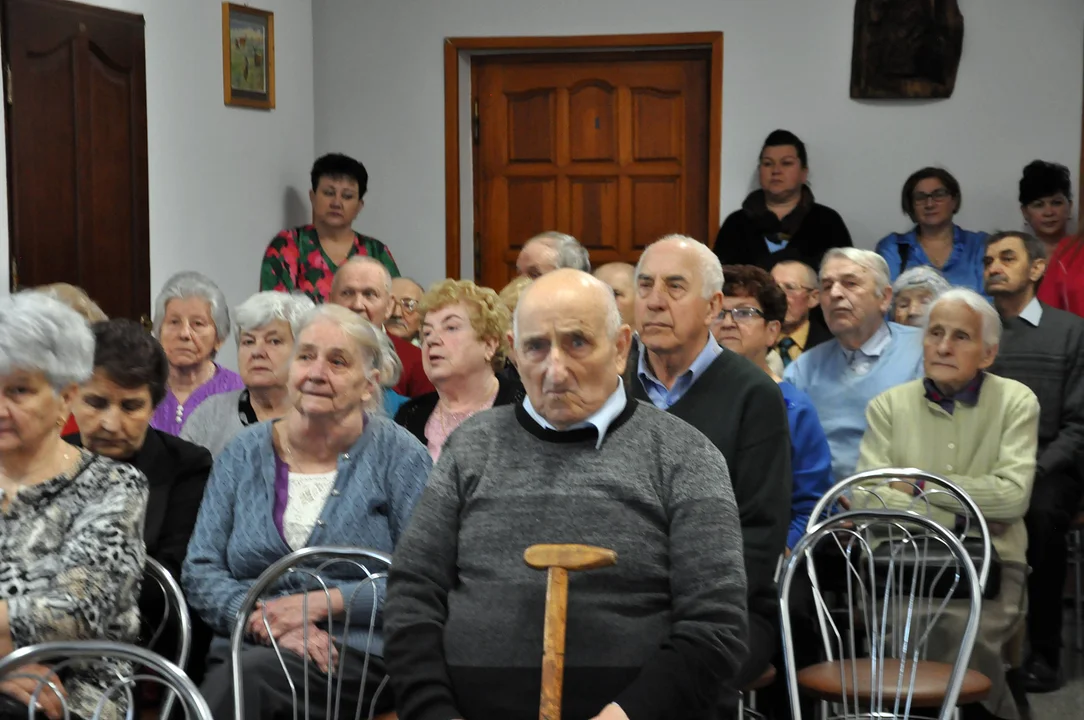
{"x": 814, "y": 382}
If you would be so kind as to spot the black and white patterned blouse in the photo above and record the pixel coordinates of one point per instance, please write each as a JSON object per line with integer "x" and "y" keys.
{"x": 71, "y": 565}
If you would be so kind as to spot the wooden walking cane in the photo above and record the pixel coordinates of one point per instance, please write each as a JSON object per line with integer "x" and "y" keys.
{"x": 557, "y": 560}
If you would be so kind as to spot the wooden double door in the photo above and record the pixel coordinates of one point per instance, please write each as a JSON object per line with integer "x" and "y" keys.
{"x": 611, "y": 148}
{"x": 75, "y": 87}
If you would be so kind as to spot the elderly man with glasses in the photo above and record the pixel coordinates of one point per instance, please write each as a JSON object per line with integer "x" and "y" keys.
{"x": 404, "y": 322}
{"x": 803, "y": 328}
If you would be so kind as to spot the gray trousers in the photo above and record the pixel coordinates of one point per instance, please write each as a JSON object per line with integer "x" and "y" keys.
{"x": 267, "y": 694}
{"x": 1002, "y": 618}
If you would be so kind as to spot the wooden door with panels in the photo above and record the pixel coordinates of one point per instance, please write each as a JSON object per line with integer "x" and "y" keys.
{"x": 76, "y": 114}
{"x": 610, "y": 147}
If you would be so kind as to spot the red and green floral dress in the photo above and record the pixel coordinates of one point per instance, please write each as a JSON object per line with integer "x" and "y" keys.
{"x": 295, "y": 261}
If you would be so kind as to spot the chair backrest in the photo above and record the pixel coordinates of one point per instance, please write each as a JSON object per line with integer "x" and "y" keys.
{"x": 889, "y": 614}
{"x": 175, "y": 609}
{"x": 872, "y": 490}
{"x": 307, "y": 569}
{"x": 60, "y": 656}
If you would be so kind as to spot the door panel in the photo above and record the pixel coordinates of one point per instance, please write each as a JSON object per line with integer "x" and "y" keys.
{"x": 610, "y": 148}
{"x": 77, "y": 150}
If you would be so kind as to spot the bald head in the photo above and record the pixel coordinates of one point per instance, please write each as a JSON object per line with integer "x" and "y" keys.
{"x": 621, "y": 277}
{"x": 363, "y": 285}
{"x": 592, "y": 298}
{"x": 570, "y": 345}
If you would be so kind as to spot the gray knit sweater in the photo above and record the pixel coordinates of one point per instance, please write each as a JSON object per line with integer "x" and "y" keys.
{"x": 214, "y": 423}
{"x": 660, "y": 633}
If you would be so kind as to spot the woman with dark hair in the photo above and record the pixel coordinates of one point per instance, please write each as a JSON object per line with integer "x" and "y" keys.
{"x": 754, "y": 307}
{"x": 1046, "y": 191}
{"x": 781, "y": 221}
{"x": 1046, "y": 201}
{"x": 113, "y": 409}
{"x": 304, "y": 259}
{"x": 931, "y": 198}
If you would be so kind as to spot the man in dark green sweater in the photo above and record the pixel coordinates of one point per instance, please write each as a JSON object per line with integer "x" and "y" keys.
{"x": 1043, "y": 348}
{"x": 735, "y": 404}
{"x": 655, "y": 636}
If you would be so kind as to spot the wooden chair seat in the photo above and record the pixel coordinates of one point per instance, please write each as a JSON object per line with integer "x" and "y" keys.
{"x": 766, "y": 678}
{"x": 822, "y": 681}
{"x": 387, "y": 716}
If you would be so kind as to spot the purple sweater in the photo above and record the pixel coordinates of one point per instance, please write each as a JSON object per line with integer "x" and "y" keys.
{"x": 170, "y": 415}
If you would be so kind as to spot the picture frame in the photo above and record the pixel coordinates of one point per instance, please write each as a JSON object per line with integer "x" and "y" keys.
{"x": 248, "y": 56}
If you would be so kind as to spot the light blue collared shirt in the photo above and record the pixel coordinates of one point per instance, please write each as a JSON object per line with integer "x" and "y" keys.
{"x": 600, "y": 420}
{"x": 862, "y": 359}
{"x": 659, "y": 395}
{"x": 1033, "y": 313}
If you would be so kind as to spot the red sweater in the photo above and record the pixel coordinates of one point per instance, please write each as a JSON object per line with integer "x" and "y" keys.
{"x": 413, "y": 382}
{"x": 1063, "y": 284}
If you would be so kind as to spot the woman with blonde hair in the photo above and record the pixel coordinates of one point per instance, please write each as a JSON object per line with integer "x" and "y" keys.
{"x": 464, "y": 345}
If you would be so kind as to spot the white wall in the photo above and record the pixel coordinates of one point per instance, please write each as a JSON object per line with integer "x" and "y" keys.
{"x": 223, "y": 180}
{"x": 379, "y": 95}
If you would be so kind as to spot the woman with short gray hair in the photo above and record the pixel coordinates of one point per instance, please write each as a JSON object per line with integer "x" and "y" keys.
{"x": 191, "y": 321}
{"x": 265, "y": 327}
{"x": 913, "y": 293}
{"x": 61, "y": 505}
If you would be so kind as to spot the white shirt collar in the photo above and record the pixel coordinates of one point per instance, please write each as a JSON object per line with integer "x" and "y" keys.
{"x": 1033, "y": 313}
{"x": 600, "y": 420}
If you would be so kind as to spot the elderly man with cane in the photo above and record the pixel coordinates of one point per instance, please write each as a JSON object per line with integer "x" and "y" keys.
{"x": 655, "y": 635}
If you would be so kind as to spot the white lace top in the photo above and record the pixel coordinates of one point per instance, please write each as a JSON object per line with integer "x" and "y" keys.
{"x": 304, "y": 503}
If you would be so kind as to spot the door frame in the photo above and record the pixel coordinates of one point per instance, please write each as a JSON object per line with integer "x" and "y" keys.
{"x": 457, "y": 47}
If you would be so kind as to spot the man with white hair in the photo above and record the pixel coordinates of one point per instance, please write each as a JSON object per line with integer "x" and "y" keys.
{"x": 654, "y": 636}
{"x": 1042, "y": 347}
{"x": 980, "y": 431}
{"x": 551, "y": 251}
{"x": 363, "y": 285}
{"x": 682, "y": 369}
{"x": 867, "y": 356}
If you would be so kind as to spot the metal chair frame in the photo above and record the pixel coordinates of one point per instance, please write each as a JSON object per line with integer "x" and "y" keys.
{"x": 165, "y": 672}
{"x": 889, "y": 619}
{"x": 329, "y": 555}
{"x": 175, "y": 604}
{"x": 871, "y": 481}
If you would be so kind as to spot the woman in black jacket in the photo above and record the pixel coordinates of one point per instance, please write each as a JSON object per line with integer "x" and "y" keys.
{"x": 781, "y": 221}
{"x": 113, "y": 410}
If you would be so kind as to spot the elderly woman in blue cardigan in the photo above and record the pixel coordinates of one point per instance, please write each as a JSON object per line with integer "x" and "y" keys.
{"x": 329, "y": 472}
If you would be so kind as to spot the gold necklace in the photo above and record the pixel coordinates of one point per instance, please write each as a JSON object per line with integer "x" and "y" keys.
{"x": 34, "y": 476}
{"x": 467, "y": 414}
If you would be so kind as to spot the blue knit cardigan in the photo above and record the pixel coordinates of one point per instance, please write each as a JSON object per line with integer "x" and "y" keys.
{"x": 379, "y": 480}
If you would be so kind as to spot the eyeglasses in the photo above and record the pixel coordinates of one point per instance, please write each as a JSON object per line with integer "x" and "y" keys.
{"x": 408, "y": 304}
{"x": 740, "y": 314}
{"x": 795, "y": 289}
{"x": 938, "y": 195}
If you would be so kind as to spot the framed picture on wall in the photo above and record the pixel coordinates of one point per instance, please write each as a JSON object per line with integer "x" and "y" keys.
{"x": 248, "y": 56}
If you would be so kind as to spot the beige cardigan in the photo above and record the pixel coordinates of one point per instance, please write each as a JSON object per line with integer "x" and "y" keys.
{"x": 987, "y": 450}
